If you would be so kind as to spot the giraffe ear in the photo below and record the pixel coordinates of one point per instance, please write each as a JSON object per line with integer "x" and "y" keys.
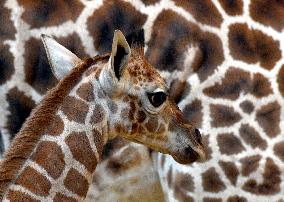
{"x": 60, "y": 58}
{"x": 120, "y": 53}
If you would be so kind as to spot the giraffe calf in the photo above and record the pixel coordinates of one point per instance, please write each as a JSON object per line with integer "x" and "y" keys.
{"x": 55, "y": 154}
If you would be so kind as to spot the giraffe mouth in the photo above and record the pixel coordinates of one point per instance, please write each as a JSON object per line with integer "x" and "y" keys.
{"x": 189, "y": 155}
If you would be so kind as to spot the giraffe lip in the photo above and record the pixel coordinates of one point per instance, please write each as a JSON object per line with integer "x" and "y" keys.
{"x": 188, "y": 156}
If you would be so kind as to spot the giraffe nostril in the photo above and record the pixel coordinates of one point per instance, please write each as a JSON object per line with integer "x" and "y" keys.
{"x": 198, "y": 136}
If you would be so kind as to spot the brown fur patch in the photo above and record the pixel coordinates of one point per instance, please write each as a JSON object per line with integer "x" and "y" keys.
{"x": 127, "y": 159}
{"x": 50, "y": 13}
{"x": 268, "y": 118}
{"x": 37, "y": 70}
{"x": 99, "y": 142}
{"x": 49, "y": 156}
{"x": 209, "y": 199}
{"x": 247, "y": 106}
{"x": 268, "y": 12}
{"x": 141, "y": 116}
{"x": 38, "y": 184}
{"x": 6, "y": 62}
{"x": 251, "y": 137}
{"x": 75, "y": 109}
{"x": 113, "y": 14}
{"x": 7, "y": 29}
{"x": 236, "y": 198}
{"x": 234, "y": 82}
{"x": 98, "y": 114}
{"x": 81, "y": 150}
{"x": 231, "y": 171}
{"x": 211, "y": 181}
{"x": 253, "y": 46}
{"x": 280, "y": 80}
{"x": 20, "y": 196}
{"x": 73, "y": 43}
{"x": 271, "y": 181}
{"x": 20, "y": 107}
{"x": 170, "y": 39}
{"x": 232, "y": 7}
{"x": 183, "y": 184}
{"x": 229, "y": 144}
{"x": 76, "y": 182}
{"x": 24, "y": 143}
{"x": 250, "y": 164}
{"x": 193, "y": 113}
{"x": 260, "y": 86}
{"x": 62, "y": 198}
{"x": 179, "y": 90}
{"x": 86, "y": 92}
{"x": 223, "y": 115}
{"x": 203, "y": 11}
{"x": 152, "y": 124}
{"x": 148, "y": 2}
{"x": 279, "y": 150}
{"x": 56, "y": 127}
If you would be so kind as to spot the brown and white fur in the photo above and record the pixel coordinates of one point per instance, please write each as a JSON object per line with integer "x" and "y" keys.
{"x": 55, "y": 154}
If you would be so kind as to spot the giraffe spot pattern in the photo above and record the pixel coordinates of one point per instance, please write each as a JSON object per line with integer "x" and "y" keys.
{"x": 279, "y": 150}
{"x": 127, "y": 159}
{"x": 99, "y": 142}
{"x": 193, "y": 113}
{"x": 209, "y": 199}
{"x": 247, "y": 106}
{"x": 268, "y": 12}
{"x": 37, "y": 70}
{"x": 179, "y": 90}
{"x": 79, "y": 146}
{"x": 76, "y": 182}
{"x": 252, "y": 137}
{"x": 223, "y": 115}
{"x": 236, "y": 198}
{"x": 280, "y": 80}
{"x": 203, "y": 11}
{"x": 152, "y": 124}
{"x": 232, "y": 7}
{"x": 38, "y": 184}
{"x": 165, "y": 52}
{"x": 53, "y": 161}
{"x": 20, "y": 107}
{"x": 183, "y": 184}
{"x": 7, "y": 29}
{"x": 20, "y": 196}
{"x": 113, "y": 145}
{"x": 211, "y": 181}
{"x": 229, "y": 144}
{"x": 250, "y": 164}
{"x": 6, "y": 62}
{"x": 231, "y": 171}
{"x": 75, "y": 110}
{"x": 50, "y": 13}
{"x": 253, "y": 46}
{"x": 56, "y": 127}
{"x": 271, "y": 181}
{"x": 112, "y": 15}
{"x": 237, "y": 81}
{"x": 98, "y": 114}
{"x": 268, "y": 117}
{"x": 86, "y": 92}
{"x": 73, "y": 43}
{"x": 59, "y": 197}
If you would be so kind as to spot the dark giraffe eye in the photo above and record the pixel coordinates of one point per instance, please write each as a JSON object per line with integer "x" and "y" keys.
{"x": 157, "y": 99}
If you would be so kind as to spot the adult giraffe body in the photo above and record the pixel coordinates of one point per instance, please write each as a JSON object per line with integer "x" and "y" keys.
{"x": 57, "y": 150}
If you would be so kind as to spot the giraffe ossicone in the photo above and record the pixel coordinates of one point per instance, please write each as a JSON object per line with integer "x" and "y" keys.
{"x": 56, "y": 152}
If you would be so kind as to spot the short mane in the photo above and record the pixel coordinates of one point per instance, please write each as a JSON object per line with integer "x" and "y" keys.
{"x": 25, "y": 141}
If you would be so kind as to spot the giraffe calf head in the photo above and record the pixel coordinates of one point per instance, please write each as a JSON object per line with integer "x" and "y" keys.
{"x": 131, "y": 99}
